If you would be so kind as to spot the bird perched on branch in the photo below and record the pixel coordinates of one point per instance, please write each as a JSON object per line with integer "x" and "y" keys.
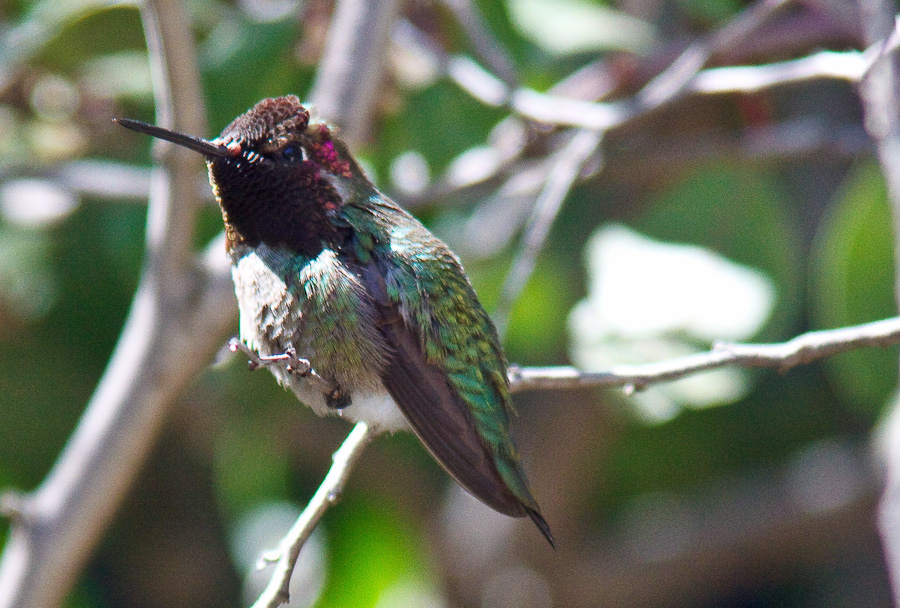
{"x": 329, "y": 268}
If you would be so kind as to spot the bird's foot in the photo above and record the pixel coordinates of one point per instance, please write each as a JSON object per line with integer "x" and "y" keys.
{"x": 337, "y": 399}
{"x": 293, "y": 364}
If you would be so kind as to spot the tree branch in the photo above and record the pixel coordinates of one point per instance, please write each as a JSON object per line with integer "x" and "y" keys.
{"x": 61, "y": 521}
{"x": 880, "y": 95}
{"x": 346, "y": 85}
{"x": 277, "y": 591}
{"x": 486, "y": 47}
{"x": 182, "y": 312}
{"x": 554, "y": 108}
{"x": 344, "y": 92}
{"x": 803, "y": 349}
{"x": 571, "y": 159}
{"x": 783, "y": 356}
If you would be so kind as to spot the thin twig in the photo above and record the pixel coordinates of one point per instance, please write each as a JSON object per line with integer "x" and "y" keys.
{"x": 664, "y": 88}
{"x": 572, "y": 159}
{"x": 485, "y": 45}
{"x": 181, "y": 313}
{"x": 344, "y": 91}
{"x": 800, "y": 350}
{"x": 680, "y": 78}
{"x": 106, "y": 179}
{"x": 277, "y": 591}
{"x": 667, "y": 86}
{"x": 803, "y": 349}
{"x": 850, "y": 66}
{"x": 553, "y": 109}
{"x": 674, "y": 80}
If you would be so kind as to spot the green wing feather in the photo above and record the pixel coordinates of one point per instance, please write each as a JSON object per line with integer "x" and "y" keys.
{"x": 448, "y": 371}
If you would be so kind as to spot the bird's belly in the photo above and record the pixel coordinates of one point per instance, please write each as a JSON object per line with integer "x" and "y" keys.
{"x": 378, "y": 410}
{"x": 269, "y": 318}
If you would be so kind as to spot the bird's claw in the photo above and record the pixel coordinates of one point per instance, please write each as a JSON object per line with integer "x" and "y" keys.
{"x": 337, "y": 399}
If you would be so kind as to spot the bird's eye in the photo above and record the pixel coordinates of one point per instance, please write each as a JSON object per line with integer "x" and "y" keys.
{"x": 292, "y": 153}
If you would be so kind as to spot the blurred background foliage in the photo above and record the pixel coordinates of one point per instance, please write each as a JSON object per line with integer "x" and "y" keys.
{"x": 766, "y": 500}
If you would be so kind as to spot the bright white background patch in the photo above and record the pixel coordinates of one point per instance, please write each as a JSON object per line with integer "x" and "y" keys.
{"x": 35, "y": 203}
{"x": 650, "y": 301}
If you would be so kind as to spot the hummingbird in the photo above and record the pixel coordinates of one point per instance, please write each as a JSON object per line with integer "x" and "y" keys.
{"x": 327, "y": 267}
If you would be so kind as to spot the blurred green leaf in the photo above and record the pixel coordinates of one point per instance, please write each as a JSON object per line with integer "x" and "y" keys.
{"x": 852, "y": 282}
{"x": 28, "y": 287}
{"x": 119, "y": 75}
{"x": 440, "y": 121}
{"x": 249, "y": 467}
{"x": 712, "y": 11}
{"x": 374, "y": 549}
{"x": 75, "y": 40}
{"x": 243, "y": 62}
{"x": 44, "y": 34}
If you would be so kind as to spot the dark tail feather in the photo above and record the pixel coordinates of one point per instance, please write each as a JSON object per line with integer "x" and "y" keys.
{"x": 541, "y": 524}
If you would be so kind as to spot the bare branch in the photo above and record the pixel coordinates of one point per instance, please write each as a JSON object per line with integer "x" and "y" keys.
{"x": 555, "y": 109}
{"x": 675, "y": 79}
{"x": 106, "y": 179}
{"x": 803, "y": 349}
{"x": 683, "y": 76}
{"x": 344, "y": 92}
{"x": 662, "y": 89}
{"x": 346, "y": 86}
{"x": 177, "y": 94}
{"x": 277, "y": 591}
{"x": 571, "y": 160}
{"x": 486, "y": 47}
{"x": 880, "y": 94}
{"x": 850, "y": 66}
{"x": 63, "y": 519}
{"x": 182, "y": 311}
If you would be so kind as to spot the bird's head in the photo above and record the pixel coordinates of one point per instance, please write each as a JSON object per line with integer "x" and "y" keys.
{"x": 280, "y": 177}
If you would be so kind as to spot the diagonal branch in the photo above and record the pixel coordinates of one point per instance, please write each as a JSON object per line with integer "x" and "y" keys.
{"x": 486, "y": 47}
{"x": 880, "y": 95}
{"x": 285, "y": 556}
{"x": 564, "y": 172}
{"x": 661, "y": 90}
{"x": 350, "y": 73}
{"x": 182, "y": 312}
{"x": 800, "y": 350}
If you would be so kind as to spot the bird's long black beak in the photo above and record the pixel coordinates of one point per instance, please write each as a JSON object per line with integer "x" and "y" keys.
{"x": 197, "y": 144}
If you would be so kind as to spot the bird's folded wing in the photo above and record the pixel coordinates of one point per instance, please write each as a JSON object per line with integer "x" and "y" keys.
{"x": 435, "y": 411}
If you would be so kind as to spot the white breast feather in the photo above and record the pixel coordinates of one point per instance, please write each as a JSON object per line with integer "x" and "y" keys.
{"x": 265, "y": 306}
